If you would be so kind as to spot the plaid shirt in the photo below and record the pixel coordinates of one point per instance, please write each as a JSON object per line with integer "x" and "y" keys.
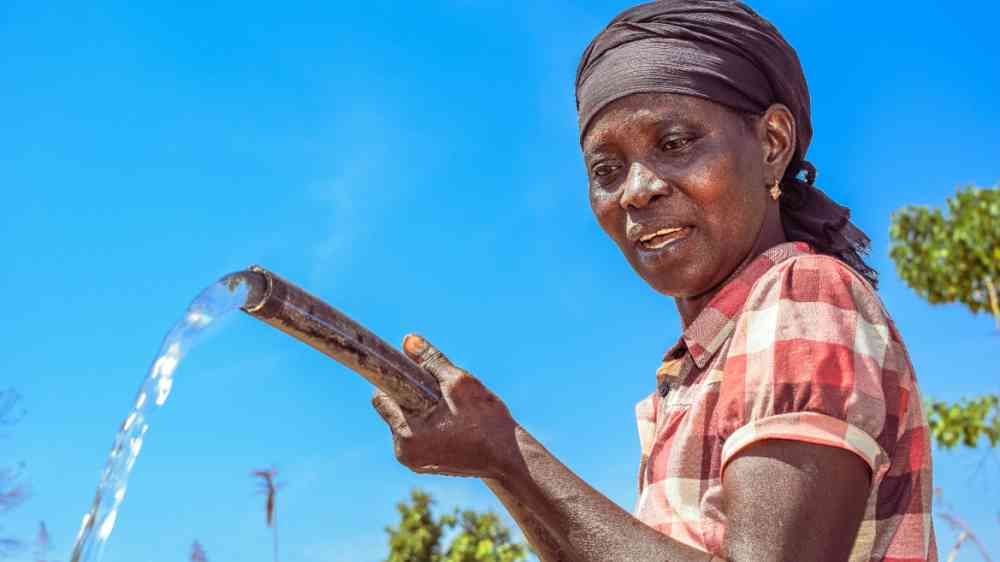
{"x": 796, "y": 346}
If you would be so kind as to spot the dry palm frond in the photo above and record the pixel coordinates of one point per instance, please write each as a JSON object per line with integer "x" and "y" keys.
{"x": 9, "y": 413}
{"x": 198, "y": 553}
{"x": 12, "y": 494}
{"x": 12, "y": 491}
{"x": 9, "y": 546}
{"x": 946, "y": 512}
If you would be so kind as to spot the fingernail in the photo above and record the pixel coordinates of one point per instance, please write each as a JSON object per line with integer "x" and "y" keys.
{"x": 414, "y": 344}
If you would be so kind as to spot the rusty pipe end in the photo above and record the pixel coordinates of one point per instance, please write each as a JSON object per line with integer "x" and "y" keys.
{"x": 260, "y": 283}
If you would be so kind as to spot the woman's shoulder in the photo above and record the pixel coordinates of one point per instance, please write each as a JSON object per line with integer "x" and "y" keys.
{"x": 808, "y": 282}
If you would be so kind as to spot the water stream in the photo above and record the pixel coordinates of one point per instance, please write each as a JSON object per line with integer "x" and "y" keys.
{"x": 204, "y": 312}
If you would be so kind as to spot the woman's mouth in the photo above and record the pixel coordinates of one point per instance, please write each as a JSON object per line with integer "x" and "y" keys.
{"x": 663, "y": 237}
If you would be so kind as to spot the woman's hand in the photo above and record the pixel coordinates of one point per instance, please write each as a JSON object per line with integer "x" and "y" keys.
{"x": 469, "y": 433}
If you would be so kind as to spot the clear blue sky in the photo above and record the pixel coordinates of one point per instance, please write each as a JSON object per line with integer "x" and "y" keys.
{"x": 416, "y": 164}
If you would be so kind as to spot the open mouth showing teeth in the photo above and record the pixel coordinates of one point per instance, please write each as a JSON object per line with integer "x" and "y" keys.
{"x": 662, "y": 237}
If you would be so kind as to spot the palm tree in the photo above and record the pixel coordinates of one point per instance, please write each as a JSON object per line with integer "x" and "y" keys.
{"x": 270, "y": 488}
{"x": 13, "y": 488}
{"x": 42, "y": 543}
{"x": 198, "y": 553}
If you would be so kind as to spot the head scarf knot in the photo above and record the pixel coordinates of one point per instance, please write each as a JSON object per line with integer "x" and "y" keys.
{"x": 720, "y": 50}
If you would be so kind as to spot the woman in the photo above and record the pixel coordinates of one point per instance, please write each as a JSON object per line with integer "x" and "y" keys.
{"x": 786, "y": 423}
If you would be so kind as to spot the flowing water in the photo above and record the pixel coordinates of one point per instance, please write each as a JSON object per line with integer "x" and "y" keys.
{"x": 214, "y": 303}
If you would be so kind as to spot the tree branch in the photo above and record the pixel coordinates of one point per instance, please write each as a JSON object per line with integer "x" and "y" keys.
{"x": 957, "y": 524}
{"x": 994, "y": 304}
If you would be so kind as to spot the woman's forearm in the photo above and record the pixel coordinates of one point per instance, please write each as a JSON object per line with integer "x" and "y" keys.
{"x": 540, "y": 537}
{"x": 586, "y": 525}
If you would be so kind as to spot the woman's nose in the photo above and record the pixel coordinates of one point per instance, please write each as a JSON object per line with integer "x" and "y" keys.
{"x": 641, "y": 187}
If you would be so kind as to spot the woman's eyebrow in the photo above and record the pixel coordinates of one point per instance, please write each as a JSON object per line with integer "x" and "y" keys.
{"x": 598, "y": 147}
{"x": 677, "y": 121}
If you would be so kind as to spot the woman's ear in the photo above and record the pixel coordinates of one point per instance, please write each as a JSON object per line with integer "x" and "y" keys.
{"x": 778, "y": 141}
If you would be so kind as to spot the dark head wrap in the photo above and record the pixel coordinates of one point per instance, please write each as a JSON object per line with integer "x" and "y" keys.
{"x": 720, "y": 50}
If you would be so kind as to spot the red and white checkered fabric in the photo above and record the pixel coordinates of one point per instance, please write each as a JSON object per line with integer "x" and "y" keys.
{"x": 796, "y": 346}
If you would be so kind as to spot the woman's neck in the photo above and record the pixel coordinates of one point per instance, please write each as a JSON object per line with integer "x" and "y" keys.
{"x": 770, "y": 235}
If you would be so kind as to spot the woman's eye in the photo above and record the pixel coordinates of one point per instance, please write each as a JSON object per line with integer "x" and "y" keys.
{"x": 675, "y": 143}
{"x": 603, "y": 170}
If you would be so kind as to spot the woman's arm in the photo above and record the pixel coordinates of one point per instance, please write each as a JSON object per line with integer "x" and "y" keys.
{"x": 541, "y": 539}
{"x": 783, "y": 500}
{"x": 792, "y": 500}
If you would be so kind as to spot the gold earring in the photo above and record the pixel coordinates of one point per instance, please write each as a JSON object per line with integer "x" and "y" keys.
{"x": 776, "y": 190}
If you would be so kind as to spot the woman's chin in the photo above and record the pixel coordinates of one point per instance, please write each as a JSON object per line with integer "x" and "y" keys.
{"x": 671, "y": 274}
{"x": 675, "y": 282}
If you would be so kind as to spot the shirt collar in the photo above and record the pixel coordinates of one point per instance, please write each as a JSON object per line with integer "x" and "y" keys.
{"x": 715, "y": 323}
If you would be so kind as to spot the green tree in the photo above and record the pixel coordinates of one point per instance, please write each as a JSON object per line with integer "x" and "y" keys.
{"x": 481, "y": 537}
{"x": 955, "y": 257}
{"x": 966, "y": 421}
{"x": 418, "y": 536}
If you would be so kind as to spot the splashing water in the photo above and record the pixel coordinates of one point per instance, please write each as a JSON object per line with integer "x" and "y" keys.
{"x": 214, "y": 303}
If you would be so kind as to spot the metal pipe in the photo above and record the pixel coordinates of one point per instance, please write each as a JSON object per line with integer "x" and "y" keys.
{"x": 292, "y": 310}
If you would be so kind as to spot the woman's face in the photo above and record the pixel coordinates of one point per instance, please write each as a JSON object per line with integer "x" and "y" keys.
{"x": 678, "y": 183}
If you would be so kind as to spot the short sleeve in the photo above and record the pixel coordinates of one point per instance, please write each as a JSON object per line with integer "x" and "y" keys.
{"x": 806, "y": 363}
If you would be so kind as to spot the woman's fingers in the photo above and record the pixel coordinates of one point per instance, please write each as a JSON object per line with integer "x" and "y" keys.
{"x": 391, "y": 413}
{"x": 460, "y": 434}
{"x": 402, "y": 434}
{"x": 428, "y": 357}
